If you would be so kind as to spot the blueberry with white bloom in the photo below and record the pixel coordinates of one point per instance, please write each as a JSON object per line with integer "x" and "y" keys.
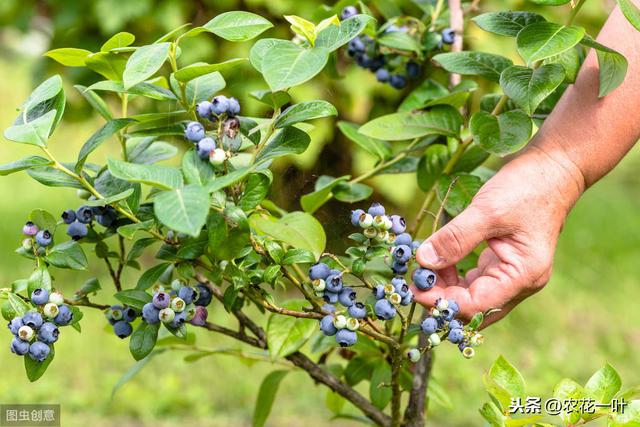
{"x": 194, "y": 131}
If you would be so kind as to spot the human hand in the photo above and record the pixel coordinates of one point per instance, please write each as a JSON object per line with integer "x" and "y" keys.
{"x": 519, "y": 213}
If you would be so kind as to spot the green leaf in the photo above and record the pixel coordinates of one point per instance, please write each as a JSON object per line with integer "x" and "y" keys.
{"x": 147, "y": 90}
{"x": 289, "y": 140}
{"x": 143, "y": 340}
{"x": 351, "y": 192}
{"x": 238, "y": 26}
{"x": 631, "y": 12}
{"x": 116, "y": 41}
{"x": 43, "y": 219}
{"x": 501, "y": 135}
{"x": 465, "y": 187}
{"x": 256, "y": 189}
{"x": 380, "y": 385}
{"x": 204, "y": 87}
{"x": 528, "y": 87}
{"x": 604, "y": 384}
{"x": 228, "y": 233}
{"x": 304, "y": 111}
{"x": 108, "y": 64}
{"x": 420, "y": 96}
{"x": 440, "y": 120}
{"x": 568, "y": 389}
{"x": 197, "y": 70}
{"x": 612, "y": 66}
{"x": 135, "y": 298}
{"x": 135, "y": 369}
{"x": 163, "y": 177}
{"x": 19, "y": 306}
{"x": 550, "y": 2}
{"x": 101, "y": 135}
{"x": 507, "y": 23}
{"x": 35, "y": 369}
{"x": 53, "y": 177}
{"x": 482, "y": 64}
{"x": 151, "y": 276}
{"x": 286, "y": 64}
{"x": 68, "y": 255}
{"x": 184, "y": 209}
{"x": 229, "y": 179}
{"x": 492, "y": 414}
{"x": 313, "y": 201}
{"x": 40, "y": 278}
{"x": 507, "y": 377}
{"x": 298, "y": 256}
{"x": 287, "y": 334}
{"x": 431, "y": 165}
{"x": 69, "y": 57}
{"x": 259, "y": 50}
{"x": 196, "y": 170}
{"x": 298, "y": 229}
{"x": 401, "y": 41}
{"x": 22, "y": 164}
{"x": 95, "y": 101}
{"x": 266, "y": 397}
{"x": 129, "y": 230}
{"x": 630, "y": 417}
{"x": 334, "y": 36}
{"x": 542, "y": 40}
{"x": 374, "y": 146}
{"x": 272, "y": 99}
{"x": 144, "y": 63}
{"x": 35, "y": 132}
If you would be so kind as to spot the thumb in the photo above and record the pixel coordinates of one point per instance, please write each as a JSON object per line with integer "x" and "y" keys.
{"x": 455, "y": 240}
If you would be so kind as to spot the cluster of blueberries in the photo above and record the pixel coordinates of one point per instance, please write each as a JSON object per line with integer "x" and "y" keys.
{"x": 378, "y": 226}
{"x": 443, "y": 320}
{"x": 393, "y": 69}
{"x": 42, "y": 238}
{"x": 121, "y": 317}
{"x": 221, "y": 109}
{"x": 37, "y": 330}
{"x": 182, "y": 304}
{"x": 78, "y": 220}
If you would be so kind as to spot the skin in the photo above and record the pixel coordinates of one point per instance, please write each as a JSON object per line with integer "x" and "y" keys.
{"x": 520, "y": 212}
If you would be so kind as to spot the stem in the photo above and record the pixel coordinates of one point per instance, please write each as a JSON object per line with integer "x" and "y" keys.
{"x": 267, "y": 134}
{"x": 575, "y": 11}
{"x": 396, "y": 393}
{"x": 123, "y": 142}
{"x": 436, "y": 13}
{"x": 401, "y": 155}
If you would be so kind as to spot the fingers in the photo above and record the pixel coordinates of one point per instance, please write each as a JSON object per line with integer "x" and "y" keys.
{"x": 455, "y": 240}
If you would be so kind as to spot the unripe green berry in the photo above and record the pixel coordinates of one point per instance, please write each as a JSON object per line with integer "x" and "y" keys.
{"x": 178, "y": 305}
{"x": 217, "y": 157}
{"x": 191, "y": 311}
{"x": 434, "y": 340}
{"x": 477, "y": 339}
{"x": 116, "y": 314}
{"x": 435, "y": 312}
{"x": 370, "y": 233}
{"x": 382, "y": 236}
{"x": 176, "y": 285}
{"x": 340, "y": 322}
{"x": 389, "y": 289}
{"x": 395, "y": 298}
{"x": 413, "y": 355}
{"x": 442, "y": 304}
{"x": 157, "y": 288}
{"x": 319, "y": 285}
{"x": 387, "y": 223}
{"x": 166, "y": 315}
{"x": 468, "y": 352}
{"x": 83, "y": 194}
{"x": 27, "y": 244}
{"x": 56, "y": 298}
{"x": 319, "y": 294}
{"x": 50, "y": 310}
{"x": 26, "y": 333}
{"x": 366, "y": 221}
{"x": 378, "y": 222}
{"x": 353, "y": 324}
{"x": 391, "y": 238}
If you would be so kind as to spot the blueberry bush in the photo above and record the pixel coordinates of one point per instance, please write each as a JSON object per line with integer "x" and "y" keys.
{"x": 219, "y": 240}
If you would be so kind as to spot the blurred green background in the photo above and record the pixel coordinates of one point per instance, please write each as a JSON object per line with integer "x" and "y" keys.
{"x": 586, "y": 316}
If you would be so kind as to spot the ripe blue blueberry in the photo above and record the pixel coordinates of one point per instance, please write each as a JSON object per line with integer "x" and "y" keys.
{"x": 44, "y": 238}
{"x": 455, "y": 324}
{"x": 398, "y": 224}
{"x": 122, "y": 329}
{"x": 150, "y": 313}
{"x": 384, "y": 310}
{"x": 355, "y": 217}
{"x": 30, "y": 229}
{"x": 456, "y": 336}
{"x": 398, "y": 81}
{"x": 40, "y": 296}
{"x": 32, "y": 319}
{"x": 328, "y": 308}
{"x": 15, "y": 324}
{"x": 319, "y": 271}
{"x": 448, "y": 36}
{"x": 85, "y": 214}
{"x": 234, "y": 107}
{"x": 65, "y": 315}
{"x": 19, "y": 347}
{"x": 399, "y": 267}
{"x": 357, "y": 311}
{"x": 382, "y": 75}
{"x": 376, "y": 209}
{"x": 348, "y": 12}
{"x": 108, "y": 217}
{"x": 68, "y": 216}
{"x": 77, "y": 230}
{"x": 187, "y": 293}
{"x": 346, "y": 338}
{"x": 415, "y": 245}
{"x": 200, "y": 318}
{"x": 129, "y": 314}
{"x": 39, "y": 351}
{"x": 429, "y": 325}
{"x": 220, "y": 105}
{"x": 330, "y": 297}
{"x": 378, "y": 292}
{"x": 424, "y": 279}
{"x": 347, "y": 297}
{"x": 453, "y": 306}
{"x": 334, "y": 283}
{"x": 161, "y": 300}
{"x": 204, "y": 147}
{"x": 326, "y": 325}
{"x": 447, "y": 314}
{"x": 204, "y": 109}
{"x": 403, "y": 239}
{"x": 407, "y": 299}
{"x": 413, "y": 69}
{"x": 402, "y": 253}
{"x": 48, "y": 333}
{"x": 204, "y": 296}
{"x": 194, "y": 131}
{"x": 179, "y": 319}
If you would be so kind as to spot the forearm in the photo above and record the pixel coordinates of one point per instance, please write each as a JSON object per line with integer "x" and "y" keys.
{"x": 590, "y": 135}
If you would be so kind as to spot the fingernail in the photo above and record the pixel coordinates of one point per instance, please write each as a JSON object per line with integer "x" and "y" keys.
{"x": 429, "y": 255}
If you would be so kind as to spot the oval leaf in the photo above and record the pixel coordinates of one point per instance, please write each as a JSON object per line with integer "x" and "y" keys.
{"x": 528, "y": 87}
{"x": 144, "y": 63}
{"x": 184, "y": 210}
{"x": 440, "y": 120}
{"x": 501, "y": 135}
{"x": 542, "y": 40}
{"x": 238, "y": 26}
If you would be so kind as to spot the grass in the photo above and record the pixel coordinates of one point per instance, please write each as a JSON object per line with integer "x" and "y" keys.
{"x": 585, "y": 317}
